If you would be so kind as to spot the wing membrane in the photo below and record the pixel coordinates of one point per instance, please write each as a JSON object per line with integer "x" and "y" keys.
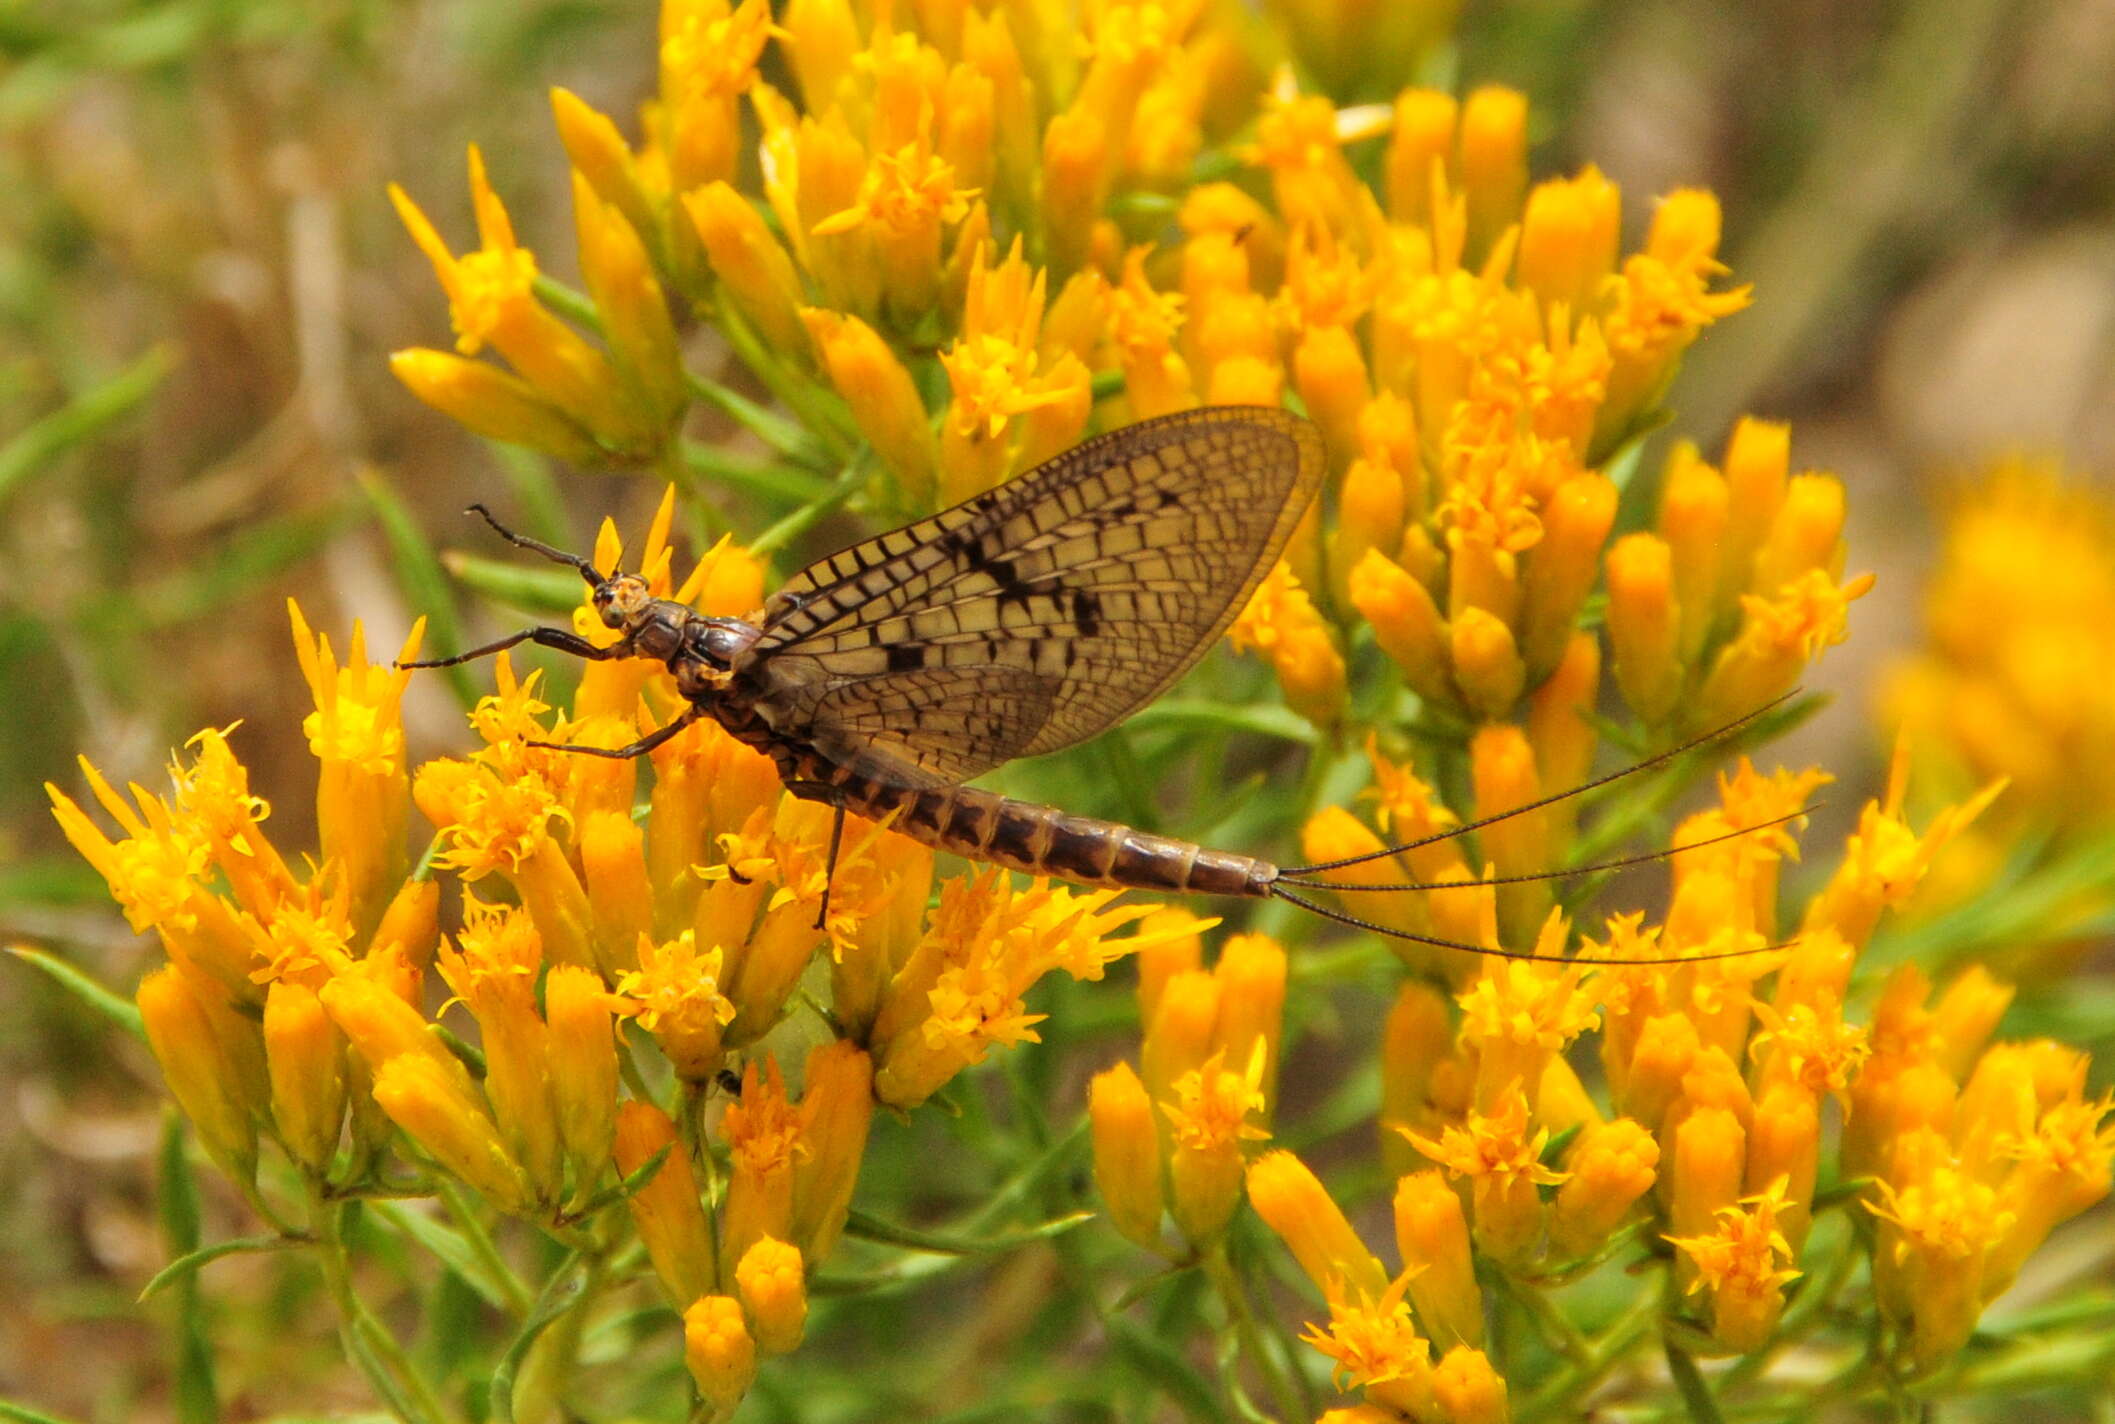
{"x": 1100, "y": 576}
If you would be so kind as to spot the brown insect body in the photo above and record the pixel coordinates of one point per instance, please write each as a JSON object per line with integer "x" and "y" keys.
{"x": 1021, "y": 621}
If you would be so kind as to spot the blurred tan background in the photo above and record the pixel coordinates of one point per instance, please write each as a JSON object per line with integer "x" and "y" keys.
{"x": 1923, "y": 194}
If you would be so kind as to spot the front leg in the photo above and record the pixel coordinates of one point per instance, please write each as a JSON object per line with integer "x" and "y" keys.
{"x": 637, "y": 749}
{"x": 559, "y": 638}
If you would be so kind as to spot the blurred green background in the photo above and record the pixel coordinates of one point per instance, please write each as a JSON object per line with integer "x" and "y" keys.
{"x": 200, "y": 278}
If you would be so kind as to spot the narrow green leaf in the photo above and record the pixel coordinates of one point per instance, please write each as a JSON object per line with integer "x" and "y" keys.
{"x": 539, "y": 592}
{"x": 63, "y": 881}
{"x": 81, "y": 419}
{"x": 944, "y": 1243}
{"x": 783, "y": 435}
{"x": 774, "y": 481}
{"x": 111, "y": 1005}
{"x": 419, "y": 575}
{"x": 185, "y": 1265}
{"x": 539, "y": 507}
{"x": 197, "y": 1397}
{"x": 559, "y": 1294}
{"x": 23, "y": 1414}
{"x": 1689, "y": 1380}
{"x": 446, "y": 1243}
{"x": 638, "y": 1177}
{"x": 1184, "y": 716}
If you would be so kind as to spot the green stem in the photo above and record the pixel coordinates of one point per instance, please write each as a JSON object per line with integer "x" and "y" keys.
{"x": 367, "y": 1344}
{"x": 482, "y": 1245}
{"x": 1568, "y": 1386}
{"x": 1220, "y": 1271}
{"x": 801, "y": 520}
{"x": 1556, "y": 1328}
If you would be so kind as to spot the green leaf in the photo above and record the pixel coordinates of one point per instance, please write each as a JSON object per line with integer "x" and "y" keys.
{"x": 111, "y": 1005}
{"x": 184, "y": 1266}
{"x": 944, "y": 1243}
{"x": 23, "y": 1414}
{"x": 559, "y": 1295}
{"x": 1263, "y": 721}
{"x": 197, "y": 1400}
{"x": 538, "y": 592}
{"x": 633, "y": 1181}
{"x": 63, "y": 881}
{"x": 81, "y": 419}
{"x": 774, "y": 481}
{"x": 419, "y": 575}
{"x": 446, "y": 1243}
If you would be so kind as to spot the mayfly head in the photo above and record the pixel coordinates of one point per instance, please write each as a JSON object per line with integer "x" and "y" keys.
{"x": 621, "y": 600}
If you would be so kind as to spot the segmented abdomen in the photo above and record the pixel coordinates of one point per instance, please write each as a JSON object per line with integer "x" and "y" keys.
{"x": 1042, "y": 840}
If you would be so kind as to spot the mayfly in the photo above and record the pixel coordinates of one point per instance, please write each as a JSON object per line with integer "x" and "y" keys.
{"x": 1022, "y": 621}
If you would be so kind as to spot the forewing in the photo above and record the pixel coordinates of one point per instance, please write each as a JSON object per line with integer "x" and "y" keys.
{"x": 1102, "y": 575}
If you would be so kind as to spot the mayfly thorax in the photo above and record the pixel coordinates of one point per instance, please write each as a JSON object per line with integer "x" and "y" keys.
{"x": 1021, "y": 621}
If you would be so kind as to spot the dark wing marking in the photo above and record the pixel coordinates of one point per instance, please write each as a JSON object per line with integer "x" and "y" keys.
{"x": 1106, "y": 573}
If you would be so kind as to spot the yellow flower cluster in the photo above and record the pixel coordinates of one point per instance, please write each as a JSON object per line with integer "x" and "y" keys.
{"x": 1718, "y": 1074}
{"x": 1170, "y": 1137}
{"x": 294, "y": 1007}
{"x": 2015, "y": 613}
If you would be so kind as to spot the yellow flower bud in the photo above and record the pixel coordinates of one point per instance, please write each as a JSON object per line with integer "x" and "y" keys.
{"x": 764, "y": 1141}
{"x": 599, "y": 154}
{"x": 1666, "y": 1046}
{"x": 1965, "y": 1016}
{"x": 1703, "y": 1175}
{"x": 1560, "y": 725}
{"x": 1757, "y": 465}
{"x": 1179, "y": 1038}
{"x": 1433, "y": 1237}
{"x": 1406, "y": 623}
{"x": 1075, "y": 176}
{"x": 1561, "y": 569}
{"x": 1779, "y": 636}
{"x": 612, "y": 850}
{"x": 306, "y": 1059}
{"x": 1469, "y": 1389}
{"x": 666, "y": 1208}
{"x": 1612, "y": 1165}
{"x": 583, "y": 1049}
{"x": 380, "y": 1025}
{"x": 631, "y": 308}
{"x": 1644, "y": 625}
{"x": 719, "y": 1351}
{"x": 1784, "y": 1146}
{"x": 1502, "y": 771}
{"x": 1126, "y": 1154}
{"x": 1175, "y": 942}
{"x": 1292, "y": 1202}
{"x": 1693, "y": 505}
{"x": 1806, "y": 534}
{"x": 836, "y": 1110}
{"x": 1334, "y": 834}
{"x": 883, "y": 399}
{"x": 411, "y": 923}
{"x": 750, "y": 262}
{"x": 1494, "y": 166}
{"x": 1329, "y": 371}
{"x": 774, "y": 1293}
{"x": 1423, "y": 135}
{"x": 489, "y": 402}
{"x": 1568, "y": 238}
{"x": 200, "y": 1042}
{"x": 1418, "y": 1034}
{"x": 1370, "y": 514}
{"x": 1487, "y": 664}
{"x": 1251, "y": 974}
{"x": 454, "y": 1128}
